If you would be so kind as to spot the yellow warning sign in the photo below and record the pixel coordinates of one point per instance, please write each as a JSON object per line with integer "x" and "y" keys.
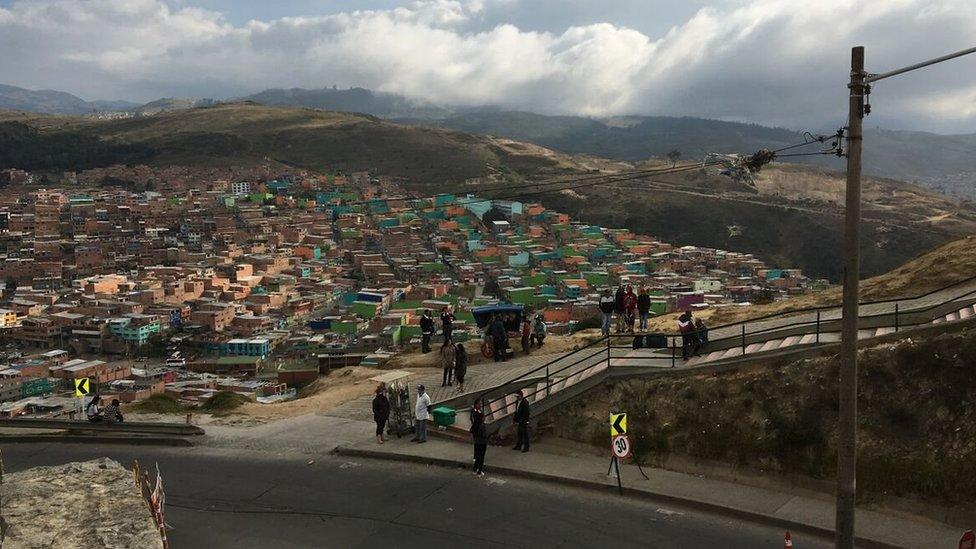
{"x": 618, "y": 424}
{"x": 82, "y": 387}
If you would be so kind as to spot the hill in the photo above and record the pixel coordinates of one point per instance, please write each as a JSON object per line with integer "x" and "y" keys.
{"x": 53, "y": 102}
{"x": 360, "y": 100}
{"x": 792, "y": 219}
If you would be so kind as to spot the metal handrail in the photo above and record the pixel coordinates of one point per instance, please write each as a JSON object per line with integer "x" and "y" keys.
{"x": 741, "y": 337}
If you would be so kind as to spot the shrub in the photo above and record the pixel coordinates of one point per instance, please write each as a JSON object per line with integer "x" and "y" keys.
{"x": 158, "y": 404}
{"x": 224, "y": 401}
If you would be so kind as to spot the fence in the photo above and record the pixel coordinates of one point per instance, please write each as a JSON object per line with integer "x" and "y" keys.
{"x": 807, "y": 326}
{"x": 153, "y": 495}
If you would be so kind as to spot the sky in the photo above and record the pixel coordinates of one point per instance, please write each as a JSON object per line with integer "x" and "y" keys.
{"x": 773, "y": 62}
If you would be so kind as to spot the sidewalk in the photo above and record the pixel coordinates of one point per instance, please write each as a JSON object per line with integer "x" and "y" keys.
{"x": 548, "y": 462}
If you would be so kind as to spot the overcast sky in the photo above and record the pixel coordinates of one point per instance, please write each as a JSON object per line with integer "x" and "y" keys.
{"x": 780, "y": 62}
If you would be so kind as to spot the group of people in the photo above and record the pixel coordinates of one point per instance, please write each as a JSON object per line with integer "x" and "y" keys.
{"x": 479, "y": 432}
{"x": 694, "y": 334}
{"x": 109, "y": 414}
{"x": 627, "y": 307}
{"x": 533, "y": 334}
{"x": 428, "y": 329}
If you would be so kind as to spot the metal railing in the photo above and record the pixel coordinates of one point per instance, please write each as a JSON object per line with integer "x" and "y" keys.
{"x": 897, "y": 318}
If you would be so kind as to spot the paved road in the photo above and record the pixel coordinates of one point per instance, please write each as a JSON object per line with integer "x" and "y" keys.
{"x": 225, "y": 498}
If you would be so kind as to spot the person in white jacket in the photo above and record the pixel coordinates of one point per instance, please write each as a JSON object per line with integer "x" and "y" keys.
{"x": 421, "y": 414}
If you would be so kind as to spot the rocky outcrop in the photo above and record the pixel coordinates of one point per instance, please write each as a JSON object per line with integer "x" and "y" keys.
{"x": 90, "y": 504}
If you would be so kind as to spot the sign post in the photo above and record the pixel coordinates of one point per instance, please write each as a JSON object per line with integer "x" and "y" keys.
{"x": 621, "y": 447}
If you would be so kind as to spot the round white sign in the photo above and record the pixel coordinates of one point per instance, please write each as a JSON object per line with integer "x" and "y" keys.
{"x": 621, "y": 446}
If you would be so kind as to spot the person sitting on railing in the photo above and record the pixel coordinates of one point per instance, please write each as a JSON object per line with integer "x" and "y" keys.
{"x": 92, "y": 411}
{"x": 701, "y": 332}
{"x": 112, "y": 413}
{"x": 686, "y": 326}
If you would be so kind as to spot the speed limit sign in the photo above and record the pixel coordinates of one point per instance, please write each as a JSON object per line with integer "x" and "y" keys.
{"x": 621, "y": 446}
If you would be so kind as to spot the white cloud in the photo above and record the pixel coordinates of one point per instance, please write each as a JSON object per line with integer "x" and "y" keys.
{"x": 771, "y": 61}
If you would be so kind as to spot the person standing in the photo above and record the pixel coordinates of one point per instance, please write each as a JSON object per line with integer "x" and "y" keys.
{"x": 447, "y": 324}
{"x": 606, "y": 311}
{"x": 460, "y": 366}
{"x": 499, "y": 338}
{"x": 643, "y": 308}
{"x": 523, "y": 413}
{"x": 618, "y": 308}
{"x": 630, "y": 307}
{"x": 526, "y": 335}
{"x": 381, "y": 411}
{"x": 479, "y": 436}
{"x": 421, "y": 414}
{"x": 686, "y": 326}
{"x": 426, "y": 331}
{"x": 539, "y": 330}
{"x": 447, "y": 362}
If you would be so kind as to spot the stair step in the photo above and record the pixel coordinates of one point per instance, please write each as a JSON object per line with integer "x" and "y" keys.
{"x": 790, "y": 341}
{"x": 885, "y": 331}
{"x": 754, "y": 347}
{"x": 966, "y": 313}
{"x": 734, "y": 351}
{"x": 808, "y": 339}
{"x": 951, "y": 317}
{"x": 770, "y": 345}
{"x": 864, "y": 334}
{"x": 939, "y": 320}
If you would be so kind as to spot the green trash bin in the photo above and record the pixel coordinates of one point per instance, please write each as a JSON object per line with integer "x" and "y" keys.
{"x": 443, "y": 416}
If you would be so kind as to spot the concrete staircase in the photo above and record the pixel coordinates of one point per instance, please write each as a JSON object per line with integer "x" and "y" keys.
{"x": 571, "y": 375}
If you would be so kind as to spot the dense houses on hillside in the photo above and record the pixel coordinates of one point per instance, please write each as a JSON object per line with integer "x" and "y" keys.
{"x": 249, "y": 273}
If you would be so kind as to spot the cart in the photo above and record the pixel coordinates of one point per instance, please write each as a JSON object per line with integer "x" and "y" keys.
{"x": 512, "y": 316}
{"x": 401, "y": 417}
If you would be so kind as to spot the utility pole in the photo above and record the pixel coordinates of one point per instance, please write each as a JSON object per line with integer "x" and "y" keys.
{"x": 847, "y": 418}
{"x": 847, "y": 415}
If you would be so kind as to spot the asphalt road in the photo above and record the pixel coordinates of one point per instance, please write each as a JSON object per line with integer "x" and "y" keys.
{"x": 226, "y": 499}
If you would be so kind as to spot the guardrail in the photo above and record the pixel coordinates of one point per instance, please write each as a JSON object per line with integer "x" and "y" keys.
{"x": 179, "y": 429}
{"x": 897, "y": 318}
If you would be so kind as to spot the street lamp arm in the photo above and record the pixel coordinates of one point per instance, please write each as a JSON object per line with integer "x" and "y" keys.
{"x": 875, "y": 77}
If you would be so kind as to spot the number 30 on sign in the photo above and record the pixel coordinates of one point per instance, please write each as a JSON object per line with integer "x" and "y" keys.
{"x": 621, "y": 446}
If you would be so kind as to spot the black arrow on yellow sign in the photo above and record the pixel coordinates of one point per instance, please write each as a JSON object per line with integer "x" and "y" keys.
{"x": 618, "y": 424}
{"x": 82, "y": 387}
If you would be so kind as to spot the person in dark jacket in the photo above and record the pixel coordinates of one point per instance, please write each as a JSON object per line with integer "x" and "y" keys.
{"x": 460, "y": 366}
{"x": 479, "y": 436}
{"x": 701, "y": 332}
{"x": 619, "y": 309}
{"x": 381, "y": 411}
{"x": 630, "y": 307}
{"x": 447, "y": 324}
{"x": 426, "y": 331}
{"x": 499, "y": 338}
{"x": 521, "y": 420}
{"x": 606, "y": 312}
{"x": 643, "y": 308}
{"x": 539, "y": 330}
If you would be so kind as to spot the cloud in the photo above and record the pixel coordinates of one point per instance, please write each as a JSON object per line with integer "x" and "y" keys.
{"x": 771, "y": 61}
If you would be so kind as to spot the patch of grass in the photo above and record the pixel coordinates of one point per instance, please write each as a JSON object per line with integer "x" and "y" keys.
{"x": 159, "y": 404}
{"x": 223, "y": 402}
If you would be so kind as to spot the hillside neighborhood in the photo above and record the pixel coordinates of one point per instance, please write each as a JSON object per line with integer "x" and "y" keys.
{"x": 256, "y": 282}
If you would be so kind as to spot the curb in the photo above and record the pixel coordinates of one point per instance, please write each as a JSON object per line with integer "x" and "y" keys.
{"x": 84, "y": 439}
{"x": 714, "y": 508}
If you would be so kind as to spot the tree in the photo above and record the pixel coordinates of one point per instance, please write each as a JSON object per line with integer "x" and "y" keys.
{"x": 674, "y": 156}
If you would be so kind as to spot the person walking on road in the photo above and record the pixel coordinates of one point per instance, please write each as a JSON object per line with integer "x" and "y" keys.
{"x": 447, "y": 324}
{"x": 421, "y": 414}
{"x": 479, "y": 436}
{"x": 606, "y": 312}
{"x": 539, "y": 330}
{"x": 381, "y": 411}
{"x": 460, "y": 366}
{"x": 523, "y": 413}
{"x": 447, "y": 362}
{"x": 643, "y": 308}
{"x": 686, "y": 326}
{"x": 426, "y": 331}
{"x": 618, "y": 308}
